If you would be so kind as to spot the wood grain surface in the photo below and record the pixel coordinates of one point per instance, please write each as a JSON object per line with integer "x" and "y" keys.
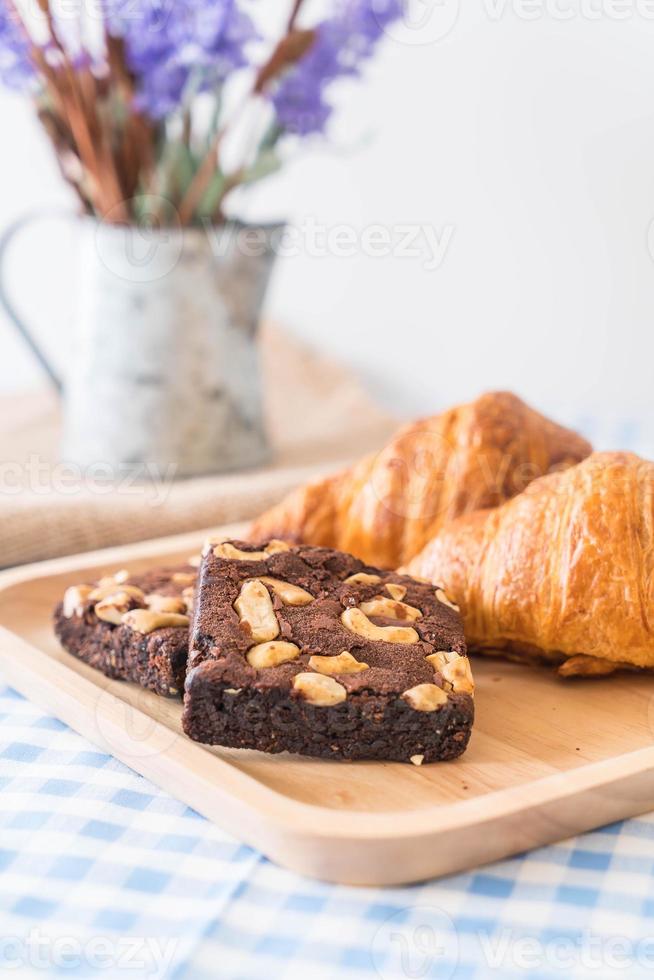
{"x": 548, "y": 758}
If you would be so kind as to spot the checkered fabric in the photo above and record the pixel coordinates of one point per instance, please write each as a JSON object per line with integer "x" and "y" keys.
{"x": 103, "y": 874}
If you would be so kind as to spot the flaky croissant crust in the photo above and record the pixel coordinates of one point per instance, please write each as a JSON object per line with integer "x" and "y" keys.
{"x": 388, "y": 506}
{"x": 565, "y": 570}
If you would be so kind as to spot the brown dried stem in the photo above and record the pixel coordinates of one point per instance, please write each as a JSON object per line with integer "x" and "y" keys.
{"x": 289, "y": 50}
{"x": 109, "y": 156}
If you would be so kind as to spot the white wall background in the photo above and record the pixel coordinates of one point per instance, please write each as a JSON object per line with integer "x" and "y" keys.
{"x": 531, "y": 139}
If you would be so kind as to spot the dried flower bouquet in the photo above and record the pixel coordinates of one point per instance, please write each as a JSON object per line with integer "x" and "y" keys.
{"x": 178, "y": 102}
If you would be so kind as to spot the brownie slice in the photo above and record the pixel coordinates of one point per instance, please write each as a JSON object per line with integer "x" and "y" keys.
{"x": 309, "y": 650}
{"x": 132, "y": 627}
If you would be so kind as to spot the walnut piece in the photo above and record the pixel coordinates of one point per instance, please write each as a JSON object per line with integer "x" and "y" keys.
{"x": 74, "y": 599}
{"x": 442, "y": 597}
{"x": 254, "y": 607}
{"x": 102, "y": 591}
{"x": 362, "y": 578}
{"x": 441, "y": 657}
{"x": 165, "y": 603}
{"x": 147, "y": 620}
{"x": 381, "y": 606}
{"x": 395, "y": 591}
{"x": 417, "y": 760}
{"x": 275, "y": 546}
{"x": 226, "y": 549}
{"x": 425, "y": 697}
{"x": 321, "y": 691}
{"x": 184, "y": 578}
{"x": 357, "y": 622}
{"x": 112, "y": 608}
{"x": 271, "y": 654}
{"x": 457, "y": 673}
{"x": 118, "y": 578}
{"x": 344, "y": 663}
{"x": 291, "y": 595}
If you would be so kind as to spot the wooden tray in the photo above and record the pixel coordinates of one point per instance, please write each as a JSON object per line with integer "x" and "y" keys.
{"x": 547, "y": 758}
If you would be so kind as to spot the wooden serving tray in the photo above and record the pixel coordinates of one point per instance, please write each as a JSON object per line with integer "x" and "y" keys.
{"x": 547, "y": 758}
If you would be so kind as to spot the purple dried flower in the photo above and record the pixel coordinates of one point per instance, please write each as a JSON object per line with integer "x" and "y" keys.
{"x": 16, "y": 69}
{"x": 173, "y": 46}
{"x": 342, "y": 43}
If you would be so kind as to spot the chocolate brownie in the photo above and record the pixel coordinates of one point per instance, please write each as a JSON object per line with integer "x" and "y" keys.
{"x": 132, "y": 627}
{"x": 309, "y": 650}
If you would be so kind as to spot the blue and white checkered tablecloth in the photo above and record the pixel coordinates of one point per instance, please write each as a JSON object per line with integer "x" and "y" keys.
{"x": 102, "y": 874}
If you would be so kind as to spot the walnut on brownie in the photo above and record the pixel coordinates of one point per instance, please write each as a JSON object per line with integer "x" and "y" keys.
{"x": 132, "y": 627}
{"x": 309, "y": 650}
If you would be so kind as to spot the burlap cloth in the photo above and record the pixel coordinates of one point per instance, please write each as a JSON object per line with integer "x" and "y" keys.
{"x": 319, "y": 418}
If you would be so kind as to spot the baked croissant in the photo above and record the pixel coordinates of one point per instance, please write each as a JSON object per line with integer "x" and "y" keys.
{"x": 563, "y": 572}
{"x": 388, "y": 506}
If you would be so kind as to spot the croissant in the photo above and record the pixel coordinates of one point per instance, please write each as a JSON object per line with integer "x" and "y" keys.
{"x": 389, "y": 505}
{"x": 563, "y": 572}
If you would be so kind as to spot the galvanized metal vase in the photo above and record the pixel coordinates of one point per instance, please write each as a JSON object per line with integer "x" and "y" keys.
{"x": 165, "y": 372}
